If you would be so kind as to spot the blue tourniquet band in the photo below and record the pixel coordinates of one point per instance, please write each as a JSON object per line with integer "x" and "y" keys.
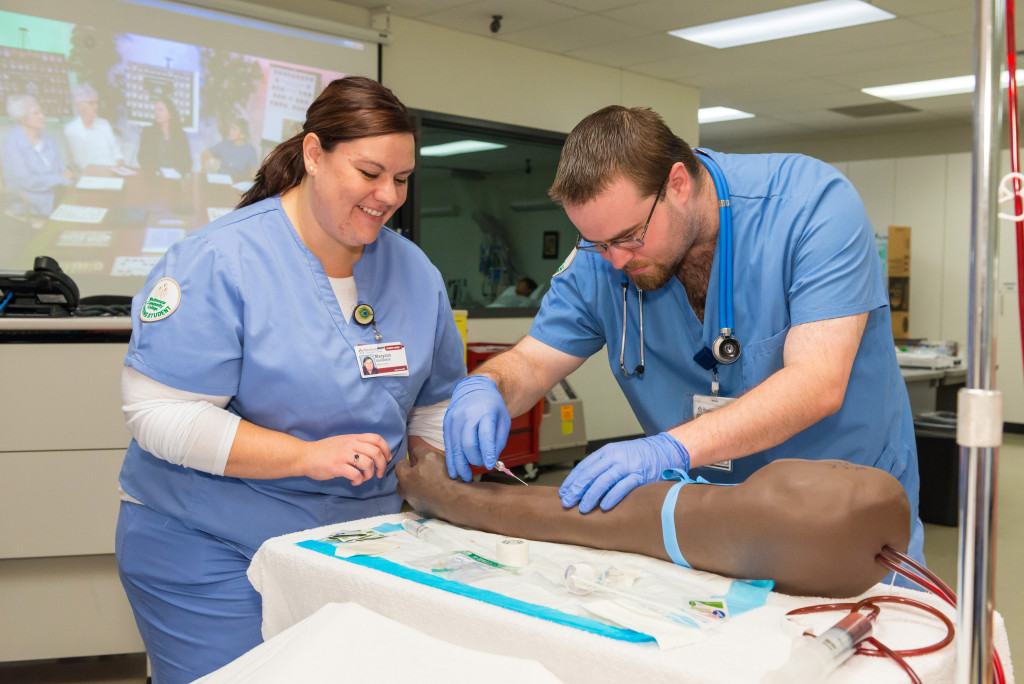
{"x": 668, "y": 525}
{"x": 668, "y": 512}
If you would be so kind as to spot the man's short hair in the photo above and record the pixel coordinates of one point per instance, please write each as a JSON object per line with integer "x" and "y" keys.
{"x": 84, "y": 93}
{"x": 614, "y": 142}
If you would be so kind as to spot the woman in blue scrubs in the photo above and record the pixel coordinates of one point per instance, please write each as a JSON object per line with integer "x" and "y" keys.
{"x": 243, "y": 387}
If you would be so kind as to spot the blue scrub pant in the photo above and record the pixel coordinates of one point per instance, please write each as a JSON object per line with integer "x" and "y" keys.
{"x": 194, "y": 605}
{"x": 915, "y": 549}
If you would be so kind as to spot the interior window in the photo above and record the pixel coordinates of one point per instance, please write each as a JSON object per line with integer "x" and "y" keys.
{"x": 481, "y": 212}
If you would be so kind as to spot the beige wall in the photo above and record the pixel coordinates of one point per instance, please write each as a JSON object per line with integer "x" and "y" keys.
{"x": 932, "y": 195}
{"x": 849, "y": 147}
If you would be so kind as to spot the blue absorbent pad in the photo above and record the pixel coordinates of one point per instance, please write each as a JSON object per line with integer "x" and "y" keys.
{"x": 739, "y": 596}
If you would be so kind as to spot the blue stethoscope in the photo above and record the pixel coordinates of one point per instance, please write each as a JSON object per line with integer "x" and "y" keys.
{"x": 726, "y": 348}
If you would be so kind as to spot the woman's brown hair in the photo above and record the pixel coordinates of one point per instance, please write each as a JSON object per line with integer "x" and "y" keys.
{"x": 348, "y": 109}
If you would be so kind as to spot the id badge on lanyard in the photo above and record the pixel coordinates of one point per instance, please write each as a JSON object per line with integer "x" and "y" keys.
{"x": 381, "y": 360}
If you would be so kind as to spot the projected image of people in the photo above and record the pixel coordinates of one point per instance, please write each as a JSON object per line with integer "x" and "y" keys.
{"x": 123, "y": 140}
{"x": 32, "y": 163}
{"x": 233, "y": 155}
{"x": 90, "y": 137}
{"x": 164, "y": 145}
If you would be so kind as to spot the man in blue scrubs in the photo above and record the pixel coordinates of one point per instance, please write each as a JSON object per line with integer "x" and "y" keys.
{"x": 817, "y": 376}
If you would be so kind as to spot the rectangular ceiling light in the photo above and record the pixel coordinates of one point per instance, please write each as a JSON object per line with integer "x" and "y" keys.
{"x": 921, "y": 89}
{"x": 458, "y": 147}
{"x": 785, "y": 23}
{"x": 715, "y": 114}
{"x": 917, "y": 90}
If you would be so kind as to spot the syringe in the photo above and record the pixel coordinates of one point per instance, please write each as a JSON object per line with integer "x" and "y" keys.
{"x": 500, "y": 467}
{"x": 813, "y": 660}
{"x": 430, "y": 535}
{"x": 443, "y": 540}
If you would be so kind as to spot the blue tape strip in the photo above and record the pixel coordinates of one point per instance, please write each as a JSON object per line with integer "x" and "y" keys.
{"x": 392, "y": 568}
{"x": 668, "y": 525}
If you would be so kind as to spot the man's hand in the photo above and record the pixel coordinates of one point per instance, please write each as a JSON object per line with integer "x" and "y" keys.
{"x": 616, "y": 469}
{"x": 476, "y": 426}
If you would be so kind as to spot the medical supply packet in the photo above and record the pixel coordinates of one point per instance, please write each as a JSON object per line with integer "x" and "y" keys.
{"x": 461, "y": 561}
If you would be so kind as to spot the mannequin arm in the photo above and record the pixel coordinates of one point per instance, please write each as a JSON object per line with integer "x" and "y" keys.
{"x": 814, "y": 527}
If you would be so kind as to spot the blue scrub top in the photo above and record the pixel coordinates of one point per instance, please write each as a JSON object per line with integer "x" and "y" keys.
{"x": 804, "y": 251}
{"x": 259, "y": 321}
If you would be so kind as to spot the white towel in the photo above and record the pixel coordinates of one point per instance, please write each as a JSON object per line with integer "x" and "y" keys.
{"x": 346, "y": 642}
{"x": 296, "y": 582}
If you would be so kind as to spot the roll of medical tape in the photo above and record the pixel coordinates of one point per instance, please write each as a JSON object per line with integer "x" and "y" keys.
{"x": 515, "y": 552}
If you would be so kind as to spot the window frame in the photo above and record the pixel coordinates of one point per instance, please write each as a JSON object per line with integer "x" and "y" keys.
{"x": 407, "y": 220}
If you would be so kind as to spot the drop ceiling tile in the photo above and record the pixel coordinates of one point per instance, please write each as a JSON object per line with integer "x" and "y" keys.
{"x": 948, "y": 22}
{"x": 565, "y": 36}
{"x": 643, "y": 48}
{"x": 516, "y": 15}
{"x": 908, "y": 8}
{"x": 709, "y": 67}
{"x": 410, "y": 8}
{"x": 812, "y": 101}
{"x": 950, "y": 105}
{"x": 903, "y": 73}
{"x": 918, "y": 52}
{"x": 597, "y": 5}
{"x": 777, "y": 95}
{"x": 789, "y": 84}
{"x": 826, "y": 120}
{"x": 726, "y": 132}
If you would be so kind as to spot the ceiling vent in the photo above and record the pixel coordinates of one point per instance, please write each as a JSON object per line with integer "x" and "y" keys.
{"x": 874, "y": 109}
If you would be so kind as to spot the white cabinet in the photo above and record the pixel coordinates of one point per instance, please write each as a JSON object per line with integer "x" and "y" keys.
{"x": 62, "y": 440}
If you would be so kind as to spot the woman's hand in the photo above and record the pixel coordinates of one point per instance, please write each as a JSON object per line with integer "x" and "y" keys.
{"x": 354, "y": 457}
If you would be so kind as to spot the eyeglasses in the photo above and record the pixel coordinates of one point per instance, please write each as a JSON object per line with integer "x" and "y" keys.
{"x": 622, "y": 243}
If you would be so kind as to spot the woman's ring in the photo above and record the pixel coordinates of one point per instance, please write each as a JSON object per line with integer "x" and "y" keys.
{"x": 355, "y": 458}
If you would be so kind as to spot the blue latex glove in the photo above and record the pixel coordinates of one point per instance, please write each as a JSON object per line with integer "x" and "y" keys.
{"x": 476, "y": 426}
{"x": 616, "y": 469}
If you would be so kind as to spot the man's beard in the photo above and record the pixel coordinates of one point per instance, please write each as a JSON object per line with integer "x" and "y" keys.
{"x": 658, "y": 274}
{"x": 653, "y": 278}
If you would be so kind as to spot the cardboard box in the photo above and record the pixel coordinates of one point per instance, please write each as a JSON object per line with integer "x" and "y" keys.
{"x": 898, "y": 271}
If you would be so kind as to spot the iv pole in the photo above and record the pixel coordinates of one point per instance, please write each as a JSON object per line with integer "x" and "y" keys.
{"x": 979, "y": 409}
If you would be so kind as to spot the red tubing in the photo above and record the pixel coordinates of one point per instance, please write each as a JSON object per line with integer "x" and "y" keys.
{"x": 1018, "y": 203}
{"x": 894, "y": 560}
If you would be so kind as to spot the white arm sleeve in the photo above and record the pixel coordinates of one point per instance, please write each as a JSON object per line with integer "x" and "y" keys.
{"x": 184, "y": 428}
{"x": 428, "y": 422}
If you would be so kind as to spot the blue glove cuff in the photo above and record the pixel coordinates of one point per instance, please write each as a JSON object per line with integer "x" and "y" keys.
{"x": 472, "y": 383}
{"x": 673, "y": 448}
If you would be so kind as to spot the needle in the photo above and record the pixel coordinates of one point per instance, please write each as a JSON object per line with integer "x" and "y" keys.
{"x": 501, "y": 468}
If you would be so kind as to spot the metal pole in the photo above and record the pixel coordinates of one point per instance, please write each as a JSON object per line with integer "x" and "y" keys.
{"x": 979, "y": 419}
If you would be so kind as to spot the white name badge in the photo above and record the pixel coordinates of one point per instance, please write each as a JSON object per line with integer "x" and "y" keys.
{"x": 378, "y": 360}
{"x": 703, "y": 403}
